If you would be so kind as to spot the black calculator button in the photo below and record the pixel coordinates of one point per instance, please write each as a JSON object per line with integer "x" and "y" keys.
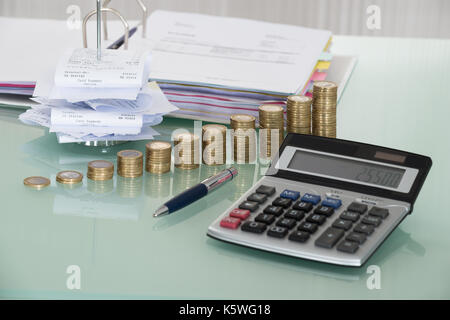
{"x": 356, "y": 237}
{"x": 316, "y": 218}
{"x": 348, "y": 246}
{"x": 276, "y": 211}
{"x": 255, "y": 227}
{"x": 329, "y": 238}
{"x": 303, "y": 206}
{"x": 342, "y": 224}
{"x": 307, "y": 226}
{"x": 277, "y": 232}
{"x": 265, "y": 218}
{"x": 265, "y": 190}
{"x": 351, "y": 216}
{"x": 364, "y": 228}
{"x": 379, "y": 212}
{"x": 328, "y": 211}
{"x": 374, "y": 221}
{"x": 299, "y": 236}
{"x": 249, "y": 205}
{"x": 286, "y": 223}
{"x": 257, "y": 197}
{"x": 357, "y": 207}
{"x": 282, "y": 202}
{"x": 295, "y": 214}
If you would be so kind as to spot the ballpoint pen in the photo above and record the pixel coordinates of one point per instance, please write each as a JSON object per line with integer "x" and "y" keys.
{"x": 196, "y": 192}
{"x": 119, "y": 42}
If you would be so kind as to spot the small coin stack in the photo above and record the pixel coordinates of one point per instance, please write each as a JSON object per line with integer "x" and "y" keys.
{"x": 214, "y": 148}
{"x": 299, "y": 114}
{"x": 130, "y": 163}
{"x": 271, "y": 120}
{"x": 243, "y": 138}
{"x": 158, "y": 157}
{"x": 324, "y": 109}
{"x": 36, "y": 182}
{"x": 100, "y": 170}
{"x": 69, "y": 177}
{"x": 187, "y": 151}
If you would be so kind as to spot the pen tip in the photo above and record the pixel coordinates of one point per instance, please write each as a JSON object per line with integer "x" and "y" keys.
{"x": 162, "y": 211}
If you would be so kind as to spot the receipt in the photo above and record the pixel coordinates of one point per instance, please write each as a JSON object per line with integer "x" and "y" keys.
{"x": 79, "y": 68}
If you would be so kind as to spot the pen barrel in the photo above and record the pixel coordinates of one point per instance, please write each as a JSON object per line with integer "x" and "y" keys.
{"x": 187, "y": 197}
{"x": 217, "y": 180}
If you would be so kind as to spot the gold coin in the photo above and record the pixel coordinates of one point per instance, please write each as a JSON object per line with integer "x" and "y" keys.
{"x": 101, "y": 164}
{"x": 69, "y": 177}
{"x": 36, "y": 182}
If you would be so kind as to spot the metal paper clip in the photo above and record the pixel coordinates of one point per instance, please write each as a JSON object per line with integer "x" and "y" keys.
{"x": 143, "y": 22}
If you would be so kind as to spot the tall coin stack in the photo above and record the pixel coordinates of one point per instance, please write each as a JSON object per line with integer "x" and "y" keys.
{"x": 243, "y": 138}
{"x": 214, "y": 147}
{"x": 187, "y": 151}
{"x": 158, "y": 157}
{"x": 100, "y": 170}
{"x": 298, "y": 114}
{"x": 130, "y": 163}
{"x": 324, "y": 109}
{"x": 271, "y": 120}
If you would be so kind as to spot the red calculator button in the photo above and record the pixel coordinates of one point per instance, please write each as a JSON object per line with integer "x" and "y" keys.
{"x": 240, "y": 213}
{"x": 230, "y": 223}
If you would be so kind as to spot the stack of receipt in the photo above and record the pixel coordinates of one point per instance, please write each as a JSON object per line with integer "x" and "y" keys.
{"x": 87, "y": 99}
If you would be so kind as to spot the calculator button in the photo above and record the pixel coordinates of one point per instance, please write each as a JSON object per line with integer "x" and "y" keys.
{"x": 332, "y": 202}
{"x": 240, "y": 213}
{"x": 307, "y": 226}
{"x": 299, "y": 236}
{"x": 356, "y": 237}
{"x": 295, "y": 214}
{"x": 257, "y": 197}
{"x": 286, "y": 223}
{"x": 249, "y": 205}
{"x": 374, "y": 221}
{"x": 342, "y": 224}
{"x": 364, "y": 228}
{"x": 265, "y": 190}
{"x": 316, "y": 218}
{"x": 230, "y": 223}
{"x": 282, "y": 202}
{"x": 379, "y": 212}
{"x": 265, "y": 218}
{"x": 289, "y": 194}
{"x": 357, "y": 207}
{"x": 255, "y": 227}
{"x": 324, "y": 210}
{"x": 276, "y": 211}
{"x": 303, "y": 206}
{"x": 348, "y": 246}
{"x": 351, "y": 216}
{"x": 277, "y": 232}
{"x": 311, "y": 198}
{"x": 329, "y": 238}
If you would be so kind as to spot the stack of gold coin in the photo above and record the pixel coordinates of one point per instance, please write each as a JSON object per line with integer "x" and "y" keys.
{"x": 271, "y": 129}
{"x": 69, "y": 177}
{"x": 158, "y": 157}
{"x": 100, "y": 170}
{"x": 130, "y": 163}
{"x": 187, "y": 151}
{"x": 36, "y": 182}
{"x": 214, "y": 147}
{"x": 243, "y": 138}
{"x": 324, "y": 109}
{"x": 298, "y": 117}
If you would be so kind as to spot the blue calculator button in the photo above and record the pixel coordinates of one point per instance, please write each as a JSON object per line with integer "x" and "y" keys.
{"x": 289, "y": 194}
{"x": 311, "y": 198}
{"x": 331, "y": 202}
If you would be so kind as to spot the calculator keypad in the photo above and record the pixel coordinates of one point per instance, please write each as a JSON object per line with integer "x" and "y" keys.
{"x": 301, "y": 219}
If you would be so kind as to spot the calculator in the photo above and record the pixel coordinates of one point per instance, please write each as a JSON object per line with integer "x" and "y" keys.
{"x": 323, "y": 199}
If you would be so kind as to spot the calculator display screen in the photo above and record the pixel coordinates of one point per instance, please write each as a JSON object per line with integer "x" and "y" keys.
{"x": 349, "y": 169}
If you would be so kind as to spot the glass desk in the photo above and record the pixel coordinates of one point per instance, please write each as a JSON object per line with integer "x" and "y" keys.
{"x": 398, "y": 97}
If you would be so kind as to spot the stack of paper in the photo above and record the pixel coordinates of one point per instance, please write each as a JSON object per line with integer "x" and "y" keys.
{"x": 87, "y": 99}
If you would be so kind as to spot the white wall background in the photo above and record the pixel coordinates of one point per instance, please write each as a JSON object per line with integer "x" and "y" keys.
{"x": 399, "y": 18}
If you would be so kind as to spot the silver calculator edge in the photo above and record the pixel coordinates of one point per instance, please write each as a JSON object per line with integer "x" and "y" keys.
{"x": 308, "y": 250}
